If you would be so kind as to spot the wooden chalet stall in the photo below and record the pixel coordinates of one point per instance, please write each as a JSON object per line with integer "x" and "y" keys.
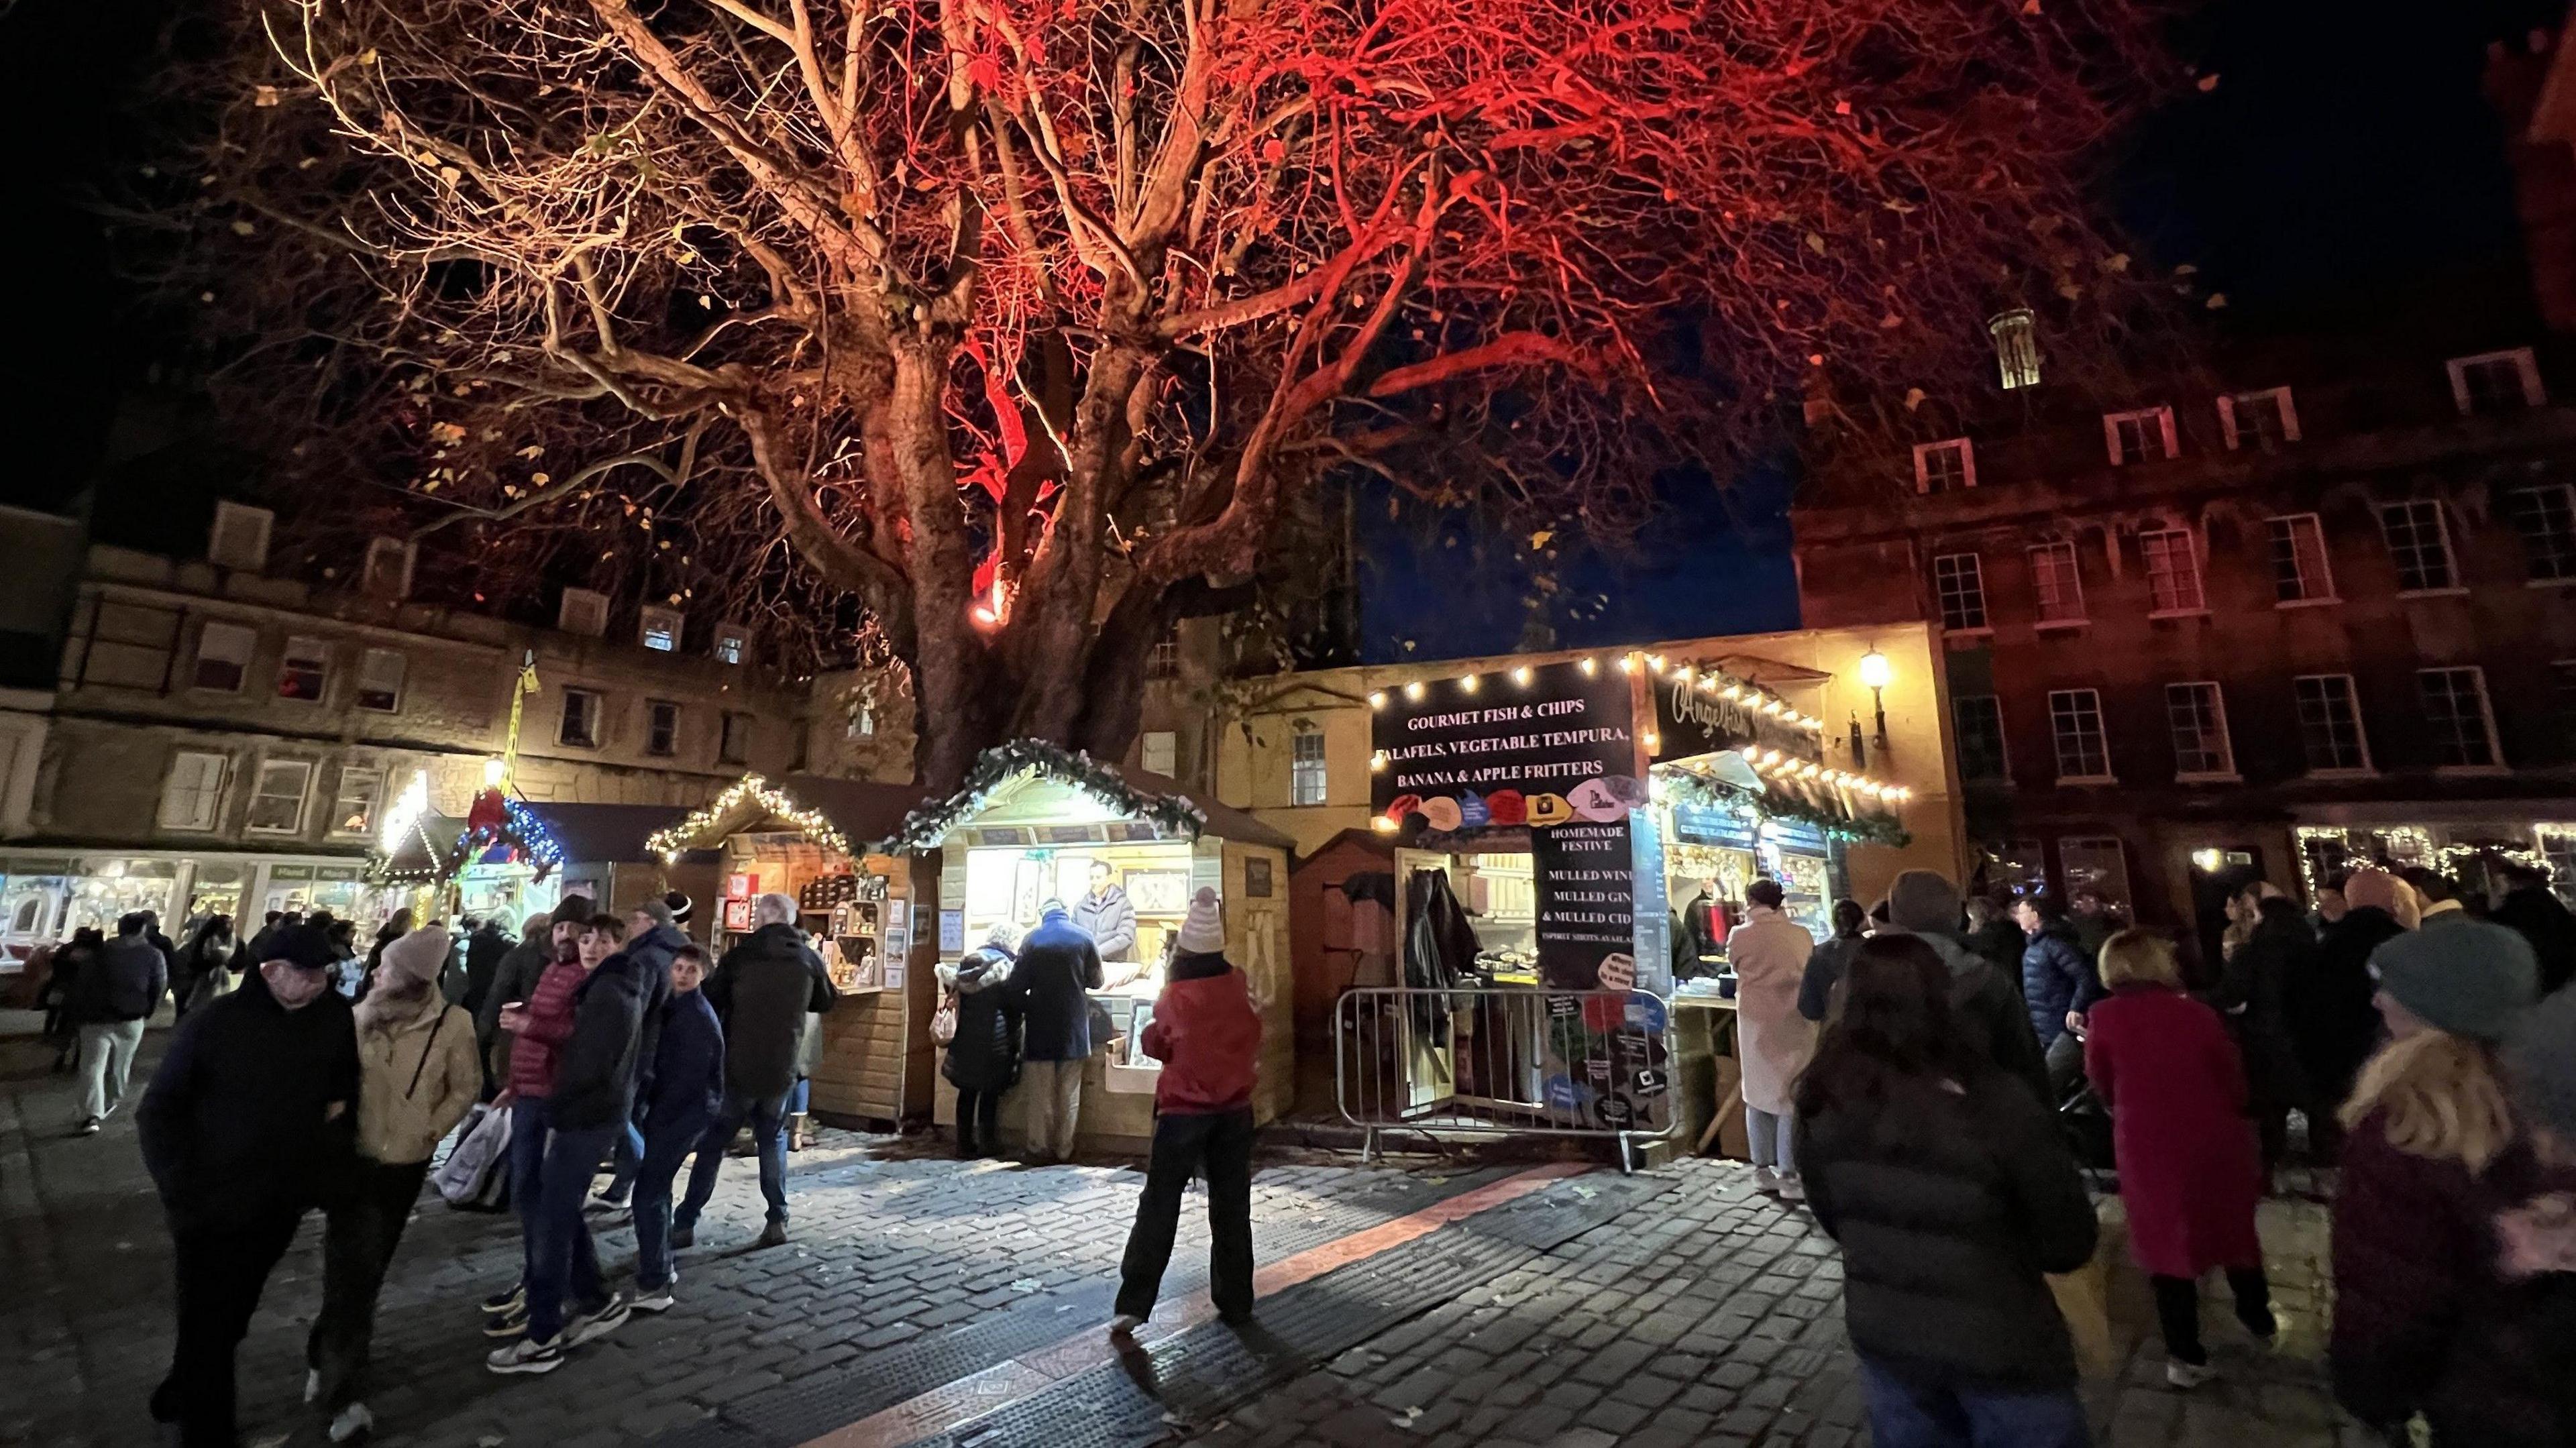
{"x": 1029, "y": 827}
{"x": 799, "y": 836}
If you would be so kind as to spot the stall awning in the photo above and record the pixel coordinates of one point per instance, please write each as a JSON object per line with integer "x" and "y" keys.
{"x": 838, "y": 814}
{"x": 423, "y": 854}
{"x": 606, "y": 834}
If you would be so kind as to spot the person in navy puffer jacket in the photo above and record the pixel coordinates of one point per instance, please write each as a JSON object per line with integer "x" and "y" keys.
{"x": 687, "y": 1093}
{"x": 2057, "y": 982}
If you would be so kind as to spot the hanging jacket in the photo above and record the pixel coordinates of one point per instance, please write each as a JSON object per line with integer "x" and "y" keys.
{"x": 1208, "y": 1037}
{"x": 1439, "y": 950}
{"x": 253, "y": 1110}
{"x": 985, "y": 1055}
{"x": 2056, "y": 977}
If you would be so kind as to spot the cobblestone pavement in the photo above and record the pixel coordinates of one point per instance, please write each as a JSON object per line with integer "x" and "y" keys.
{"x": 1708, "y": 1314}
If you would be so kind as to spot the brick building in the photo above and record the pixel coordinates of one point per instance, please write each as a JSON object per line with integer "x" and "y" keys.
{"x": 217, "y": 734}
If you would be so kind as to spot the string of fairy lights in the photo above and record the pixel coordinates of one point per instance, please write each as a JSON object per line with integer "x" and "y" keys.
{"x": 1768, "y": 763}
{"x": 669, "y": 843}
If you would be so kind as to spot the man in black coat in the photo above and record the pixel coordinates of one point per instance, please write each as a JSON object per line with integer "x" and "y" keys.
{"x": 250, "y": 1121}
{"x": 2327, "y": 1007}
{"x": 110, "y": 1003}
{"x": 762, "y": 990}
{"x": 2531, "y": 908}
{"x": 1051, "y": 985}
{"x": 484, "y": 947}
{"x": 2253, "y": 995}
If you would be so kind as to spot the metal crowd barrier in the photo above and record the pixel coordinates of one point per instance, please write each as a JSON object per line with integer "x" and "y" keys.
{"x": 1508, "y": 1060}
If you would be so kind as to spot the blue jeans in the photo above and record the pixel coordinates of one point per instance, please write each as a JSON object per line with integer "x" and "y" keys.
{"x": 665, "y": 1146}
{"x": 527, "y": 1163}
{"x": 626, "y": 1154}
{"x": 800, "y": 1097}
{"x": 563, "y": 1259}
{"x": 1904, "y": 1413}
{"x": 768, "y": 1118}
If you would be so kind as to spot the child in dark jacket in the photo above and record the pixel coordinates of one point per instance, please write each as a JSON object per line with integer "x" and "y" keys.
{"x": 1208, "y": 1037}
{"x": 688, "y": 1090}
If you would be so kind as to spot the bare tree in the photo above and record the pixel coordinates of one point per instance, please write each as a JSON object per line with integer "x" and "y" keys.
{"x": 1016, "y": 322}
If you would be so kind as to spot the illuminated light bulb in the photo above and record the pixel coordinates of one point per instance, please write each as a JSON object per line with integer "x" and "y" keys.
{"x": 1413, "y": 690}
{"x": 1655, "y": 661}
{"x": 1627, "y": 663}
{"x": 493, "y": 769}
{"x": 1812, "y": 769}
{"x": 1382, "y": 825}
{"x": 1752, "y": 752}
{"x": 1377, "y": 761}
{"x": 1653, "y": 740}
{"x": 1730, "y": 692}
{"x": 1467, "y": 685}
{"x": 1377, "y": 698}
{"x": 1770, "y": 756}
{"x": 1591, "y": 667}
{"x": 1874, "y": 670}
{"x": 1521, "y": 675}
{"x": 1688, "y": 673}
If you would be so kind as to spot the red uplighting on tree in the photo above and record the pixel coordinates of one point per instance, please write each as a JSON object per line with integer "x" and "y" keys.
{"x": 757, "y": 305}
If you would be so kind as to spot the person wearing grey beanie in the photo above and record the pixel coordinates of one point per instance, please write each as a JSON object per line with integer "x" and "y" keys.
{"x": 1924, "y": 903}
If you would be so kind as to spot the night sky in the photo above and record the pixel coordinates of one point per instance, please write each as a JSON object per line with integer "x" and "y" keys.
{"x": 2345, "y": 149}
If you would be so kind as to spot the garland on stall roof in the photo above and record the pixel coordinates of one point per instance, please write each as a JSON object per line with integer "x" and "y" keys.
{"x": 1003, "y": 764}
{"x": 1698, "y": 790}
{"x": 812, "y": 823}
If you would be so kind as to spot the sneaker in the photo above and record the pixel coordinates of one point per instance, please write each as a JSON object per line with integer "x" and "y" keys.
{"x": 773, "y": 1235}
{"x": 89, "y": 1127}
{"x": 511, "y": 1301}
{"x": 1791, "y": 1189}
{"x": 1765, "y": 1179}
{"x": 513, "y": 1323}
{"x": 592, "y": 1326}
{"x": 611, "y": 1200}
{"x": 2188, "y": 1376}
{"x": 1124, "y": 1325}
{"x": 683, "y": 1236}
{"x": 527, "y": 1355}
{"x": 354, "y": 1422}
{"x": 652, "y": 1299}
{"x": 312, "y": 1386}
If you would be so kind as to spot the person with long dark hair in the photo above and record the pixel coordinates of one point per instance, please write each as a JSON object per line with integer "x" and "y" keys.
{"x": 1953, "y": 1195}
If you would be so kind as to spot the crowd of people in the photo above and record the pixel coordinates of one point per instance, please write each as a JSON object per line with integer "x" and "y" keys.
{"x": 1916, "y": 1079}
{"x": 599, "y": 1043}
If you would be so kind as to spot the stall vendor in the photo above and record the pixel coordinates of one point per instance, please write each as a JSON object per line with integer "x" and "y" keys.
{"x": 1110, "y": 917}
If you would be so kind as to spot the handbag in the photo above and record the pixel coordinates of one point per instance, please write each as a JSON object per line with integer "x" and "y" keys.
{"x": 943, "y": 1021}
{"x": 475, "y": 1177}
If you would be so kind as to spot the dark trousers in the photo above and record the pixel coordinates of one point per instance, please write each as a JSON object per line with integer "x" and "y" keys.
{"x": 221, "y": 1274}
{"x": 2178, "y": 1311}
{"x": 625, "y": 1156}
{"x": 358, "y": 1241}
{"x": 979, "y": 1122}
{"x": 527, "y": 1173}
{"x": 563, "y": 1264}
{"x": 2065, "y": 1064}
{"x": 667, "y": 1143}
{"x": 768, "y": 1119}
{"x": 1221, "y": 1145}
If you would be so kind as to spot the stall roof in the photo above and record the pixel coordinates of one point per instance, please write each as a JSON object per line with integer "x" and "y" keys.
{"x": 1224, "y": 821}
{"x": 605, "y": 833}
{"x": 1153, "y": 796}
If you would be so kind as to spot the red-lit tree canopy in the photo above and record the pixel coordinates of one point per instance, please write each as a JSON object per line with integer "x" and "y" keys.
{"x": 1021, "y": 321}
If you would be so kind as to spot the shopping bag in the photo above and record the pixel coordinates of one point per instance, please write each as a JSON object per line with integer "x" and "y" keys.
{"x": 943, "y": 1021}
{"x": 476, "y": 1175}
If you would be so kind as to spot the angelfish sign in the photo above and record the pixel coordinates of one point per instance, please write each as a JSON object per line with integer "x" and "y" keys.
{"x": 1693, "y": 716}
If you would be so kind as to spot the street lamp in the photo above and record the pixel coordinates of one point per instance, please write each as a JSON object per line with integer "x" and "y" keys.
{"x": 1874, "y": 674}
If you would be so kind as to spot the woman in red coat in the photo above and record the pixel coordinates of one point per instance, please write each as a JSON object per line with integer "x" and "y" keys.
{"x": 2190, "y": 1169}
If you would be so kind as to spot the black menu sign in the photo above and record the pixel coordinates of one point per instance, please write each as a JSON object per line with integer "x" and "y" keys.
{"x": 1539, "y": 746}
{"x": 1694, "y": 716}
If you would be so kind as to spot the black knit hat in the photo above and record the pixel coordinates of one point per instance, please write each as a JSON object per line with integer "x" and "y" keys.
{"x": 679, "y": 904}
{"x": 304, "y": 946}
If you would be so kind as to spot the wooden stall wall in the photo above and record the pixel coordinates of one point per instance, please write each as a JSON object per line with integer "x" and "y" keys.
{"x": 1256, "y": 894}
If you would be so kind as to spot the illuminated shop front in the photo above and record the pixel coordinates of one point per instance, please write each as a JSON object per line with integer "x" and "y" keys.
{"x": 1595, "y": 822}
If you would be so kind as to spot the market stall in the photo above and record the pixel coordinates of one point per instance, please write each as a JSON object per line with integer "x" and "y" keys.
{"x": 1590, "y": 826}
{"x": 1035, "y": 825}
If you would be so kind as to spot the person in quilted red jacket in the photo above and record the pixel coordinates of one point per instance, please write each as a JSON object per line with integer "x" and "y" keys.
{"x": 1208, "y": 1037}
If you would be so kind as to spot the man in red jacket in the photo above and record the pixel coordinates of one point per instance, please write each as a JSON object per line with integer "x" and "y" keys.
{"x": 1207, "y": 1036}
